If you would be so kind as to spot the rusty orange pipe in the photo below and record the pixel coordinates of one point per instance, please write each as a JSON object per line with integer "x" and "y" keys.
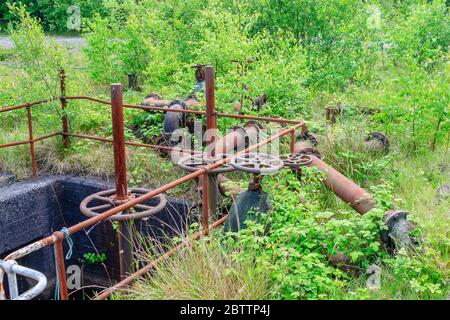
{"x": 358, "y": 198}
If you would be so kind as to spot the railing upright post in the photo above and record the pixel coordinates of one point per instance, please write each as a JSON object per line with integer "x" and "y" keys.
{"x": 65, "y": 122}
{"x": 209, "y": 188}
{"x": 30, "y": 137}
{"x": 120, "y": 168}
{"x": 60, "y": 266}
{"x": 292, "y": 144}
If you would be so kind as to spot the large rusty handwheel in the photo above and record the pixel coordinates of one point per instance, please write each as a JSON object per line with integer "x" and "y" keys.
{"x": 257, "y": 163}
{"x": 296, "y": 160}
{"x": 107, "y": 200}
{"x": 195, "y": 162}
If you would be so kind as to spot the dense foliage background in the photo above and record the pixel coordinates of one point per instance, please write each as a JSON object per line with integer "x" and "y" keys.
{"x": 383, "y": 62}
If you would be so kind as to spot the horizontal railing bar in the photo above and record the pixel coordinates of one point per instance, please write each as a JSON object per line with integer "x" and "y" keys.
{"x": 30, "y": 104}
{"x": 135, "y": 144}
{"x": 198, "y": 112}
{"x": 12, "y": 144}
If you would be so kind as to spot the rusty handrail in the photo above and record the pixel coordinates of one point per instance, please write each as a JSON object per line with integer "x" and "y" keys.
{"x": 198, "y": 112}
{"x": 29, "y": 104}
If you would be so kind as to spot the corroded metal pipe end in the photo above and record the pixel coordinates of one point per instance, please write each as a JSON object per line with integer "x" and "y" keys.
{"x": 398, "y": 235}
{"x": 377, "y": 141}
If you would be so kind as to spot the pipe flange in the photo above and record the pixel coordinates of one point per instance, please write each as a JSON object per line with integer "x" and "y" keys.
{"x": 311, "y": 151}
{"x": 192, "y": 163}
{"x": 306, "y": 136}
{"x": 296, "y": 160}
{"x": 107, "y": 200}
{"x": 256, "y": 124}
{"x": 379, "y": 137}
{"x": 398, "y": 234}
{"x": 257, "y": 163}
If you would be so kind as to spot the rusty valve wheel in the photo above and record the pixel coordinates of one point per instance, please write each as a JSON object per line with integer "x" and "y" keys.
{"x": 106, "y": 200}
{"x": 296, "y": 160}
{"x": 193, "y": 163}
{"x": 257, "y": 163}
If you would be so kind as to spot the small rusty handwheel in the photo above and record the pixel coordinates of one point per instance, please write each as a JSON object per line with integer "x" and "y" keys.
{"x": 257, "y": 163}
{"x": 105, "y": 200}
{"x": 296, "y": 160}
{"x": 195, "y": 162}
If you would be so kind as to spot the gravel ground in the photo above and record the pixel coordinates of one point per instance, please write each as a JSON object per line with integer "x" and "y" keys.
{"x": 69, "y": 42}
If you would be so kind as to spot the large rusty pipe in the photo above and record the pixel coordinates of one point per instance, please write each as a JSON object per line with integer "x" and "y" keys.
{"x": 236, "y": 140}
{"x": 358, "y": 198}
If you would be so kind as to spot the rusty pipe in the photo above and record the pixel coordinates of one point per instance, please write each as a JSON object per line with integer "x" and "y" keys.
{"x": 65, "y": 121}
{"x": 60, "y": 267}
{"x": 30, "y": 134}
{"x": 237, "y": 140}
{"x": 120, "y": 167}
{"x": 358, "y": 198}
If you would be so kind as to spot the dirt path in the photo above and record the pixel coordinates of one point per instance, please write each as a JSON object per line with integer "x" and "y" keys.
{"x": 69, "y": 42}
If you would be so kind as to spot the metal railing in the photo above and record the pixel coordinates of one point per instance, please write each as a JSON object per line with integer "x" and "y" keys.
{"x": 12, "y": 269}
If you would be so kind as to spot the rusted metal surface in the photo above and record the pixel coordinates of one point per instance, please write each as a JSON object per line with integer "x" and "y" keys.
{"x": 377, "y": 141}
{"x": 29, "y": 104}
{"x": 118, "y": 127}
{"x": 292, "y": 142}
{"x": 60, "y": 266}
{"x": 30, "y": 135}
{"x": 12, "y": 144}
{"x": 135, "y": 144}
{"x": 129, "y": 280}
{"x": 210, "y": 98}
{"x": 198, "y": 112}
{"x": 120, "y": 170}
{"x": 358, "y": 198}
{"x": 332, "y": 112}
{"x": 106, "y": 197}
{"x": 199, "y": 72}
{"x": 65, "y": 121}
{"x": 236, "y": 140}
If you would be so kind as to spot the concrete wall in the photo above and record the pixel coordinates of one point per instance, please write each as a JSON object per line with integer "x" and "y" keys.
{"x": 31, "y": 210}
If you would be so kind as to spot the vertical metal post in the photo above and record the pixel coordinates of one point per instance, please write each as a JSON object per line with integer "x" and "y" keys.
{"x": 292, "y": 145}
{"x": 30, "y": 135}
{"x": 125, "y": 249}
{"x": 209, "y": 181}
{"x": 211, "y": 123}
{"x": 12, "y": 282}
{"x": 205, "y": 203}
{"x": 120, "y": 169}
{"x": 65, "y": 122}
{"x": 61, "y": 268}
